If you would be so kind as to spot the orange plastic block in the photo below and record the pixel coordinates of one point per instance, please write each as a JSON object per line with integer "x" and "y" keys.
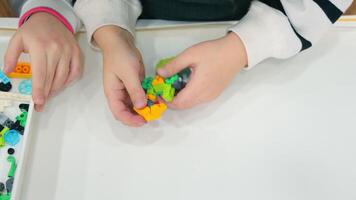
{"x": 157, "y": 80}
{"x": 154, "y": 112}
{"x": 22, "y": 70}
{"x": 151, "y": 97}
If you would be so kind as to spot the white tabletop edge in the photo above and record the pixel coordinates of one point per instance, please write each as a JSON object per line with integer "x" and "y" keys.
{"x": 12, "y": 23}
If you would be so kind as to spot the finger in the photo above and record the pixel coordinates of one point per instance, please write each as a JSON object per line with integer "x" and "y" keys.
{"x": 13, "y": 52}
{"x": 179, "y": 63}
{"x": 60, "y": 75}
{"x": 141, "y": 72}
{"x": 52, "y": 62}
{"x": 115, "y": 93}
{"x": 133, "y": 86}
{"x": 191, "y": 94}
{"x": 76, "y": 66}
{"x": 39, "y": 108}
{"x": 39, "y": 64}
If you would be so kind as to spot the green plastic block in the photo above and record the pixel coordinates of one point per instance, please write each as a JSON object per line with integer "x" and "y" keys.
{"x": 163, "y": 62}
{"x": 151, "y": 91}
{"x": 2, "y": 138}
{"x": 5, "y": 196}
{"x": 159, "y": 88}
{"x": 172, "y": 79}
{"x": 22, "y": 118}
{"x": 147, "y": 83}
{"x": 13, "y": 166}
{"x": 168, "y": 93}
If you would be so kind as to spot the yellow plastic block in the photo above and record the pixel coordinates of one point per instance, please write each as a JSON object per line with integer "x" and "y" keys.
{"x": 153, "y": 112}
{"x": 158, "y": 109}
{"x": 19, "y": 75}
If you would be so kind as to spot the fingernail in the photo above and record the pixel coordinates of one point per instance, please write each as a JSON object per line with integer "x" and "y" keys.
{"x": 39, "y": 108}
{"x": 39, "y": 99}
{"x": 163, "y": 72}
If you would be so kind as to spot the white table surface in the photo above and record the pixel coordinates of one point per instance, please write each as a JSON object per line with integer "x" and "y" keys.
{"x": 283, "y": 130}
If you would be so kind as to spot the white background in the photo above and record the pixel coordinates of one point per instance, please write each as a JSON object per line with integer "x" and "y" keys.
{"x": 283, "y": 130}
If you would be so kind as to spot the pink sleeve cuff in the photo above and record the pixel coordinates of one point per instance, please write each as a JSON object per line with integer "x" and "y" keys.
{"x": 54, "y": 13}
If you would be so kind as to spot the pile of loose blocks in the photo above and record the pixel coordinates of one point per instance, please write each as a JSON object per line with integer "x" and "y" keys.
{"x": 15, "y": 101}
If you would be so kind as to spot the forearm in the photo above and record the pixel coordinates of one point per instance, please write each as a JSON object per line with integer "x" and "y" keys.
{"x": 112, "y": 38}
{"x": 281, "y": 28}
{"x": 100, "y": 14}
{"x": 61, "y": 9}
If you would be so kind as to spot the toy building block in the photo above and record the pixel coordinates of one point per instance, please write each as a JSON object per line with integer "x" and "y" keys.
{"x": 163, "y": 62}
{"x": 147, "y": 83}
{"x": 5, "y": 87}
{"x": 9, "y": 184}
{"x": 25, "y": 87}
{"x": 17, "y": 127}
{"x": 166, "y": 91}
{"x": 158, "y": 109}
{"x": 22, "y": 70}
{"x": 178, "y": 81}
{"x": 4, "y": 78}
{"x": 2, "y": 187}
{"x": 10, "y": 151}
{"x": 13, "y": 166}
{"x": 5, "y": 121}
{"x": 172, "y": 79}
{"x": 22, "y": 118}
{"x": 166, "y": 88}
{"x": 150, "y": 103}
{"x": 12, "y": 137}
{"x": 158, "y": 88}
{"x": 5, "y": 84}
{"x": 151, "y": 91}
{"x": 5, "y": 196}
{"x": 3, "y": 131}
{"x": 151, "y": 97}
{"x": 24, "y": 107}
{"x": 154, "y": 112}
{"x": 144, "y": 112}
{"x": 157, "y": 80}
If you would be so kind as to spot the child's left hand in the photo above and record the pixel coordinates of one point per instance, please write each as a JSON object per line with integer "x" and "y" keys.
{"x": 213, "y": 63}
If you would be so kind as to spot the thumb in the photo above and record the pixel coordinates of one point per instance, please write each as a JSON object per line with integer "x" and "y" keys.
{"x": 179, "y": 63}
{"x": 13, "y": 52}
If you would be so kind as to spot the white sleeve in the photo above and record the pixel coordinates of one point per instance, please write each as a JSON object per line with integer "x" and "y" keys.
{"x": 63, "y": 7}
{"x": 282, "y": 28}
{"x": 98, "y": 13}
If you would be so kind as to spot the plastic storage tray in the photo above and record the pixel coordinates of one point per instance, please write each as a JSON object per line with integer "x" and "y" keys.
{"x": 14, "y": 137}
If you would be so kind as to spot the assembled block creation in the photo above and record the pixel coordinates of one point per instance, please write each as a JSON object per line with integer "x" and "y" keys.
{"x": 159, "y": 87}
{"x": 15, "y": 100}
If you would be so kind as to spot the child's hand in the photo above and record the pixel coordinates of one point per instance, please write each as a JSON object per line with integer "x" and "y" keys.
{"x": 214, "y": 64}
{"x": 123, "y": 72}
{"x": 56, "y": 59}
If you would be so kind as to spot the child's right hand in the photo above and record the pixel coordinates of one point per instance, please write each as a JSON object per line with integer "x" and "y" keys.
{"x": 123, "y": 72}
{"x": 55, "y": 55}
